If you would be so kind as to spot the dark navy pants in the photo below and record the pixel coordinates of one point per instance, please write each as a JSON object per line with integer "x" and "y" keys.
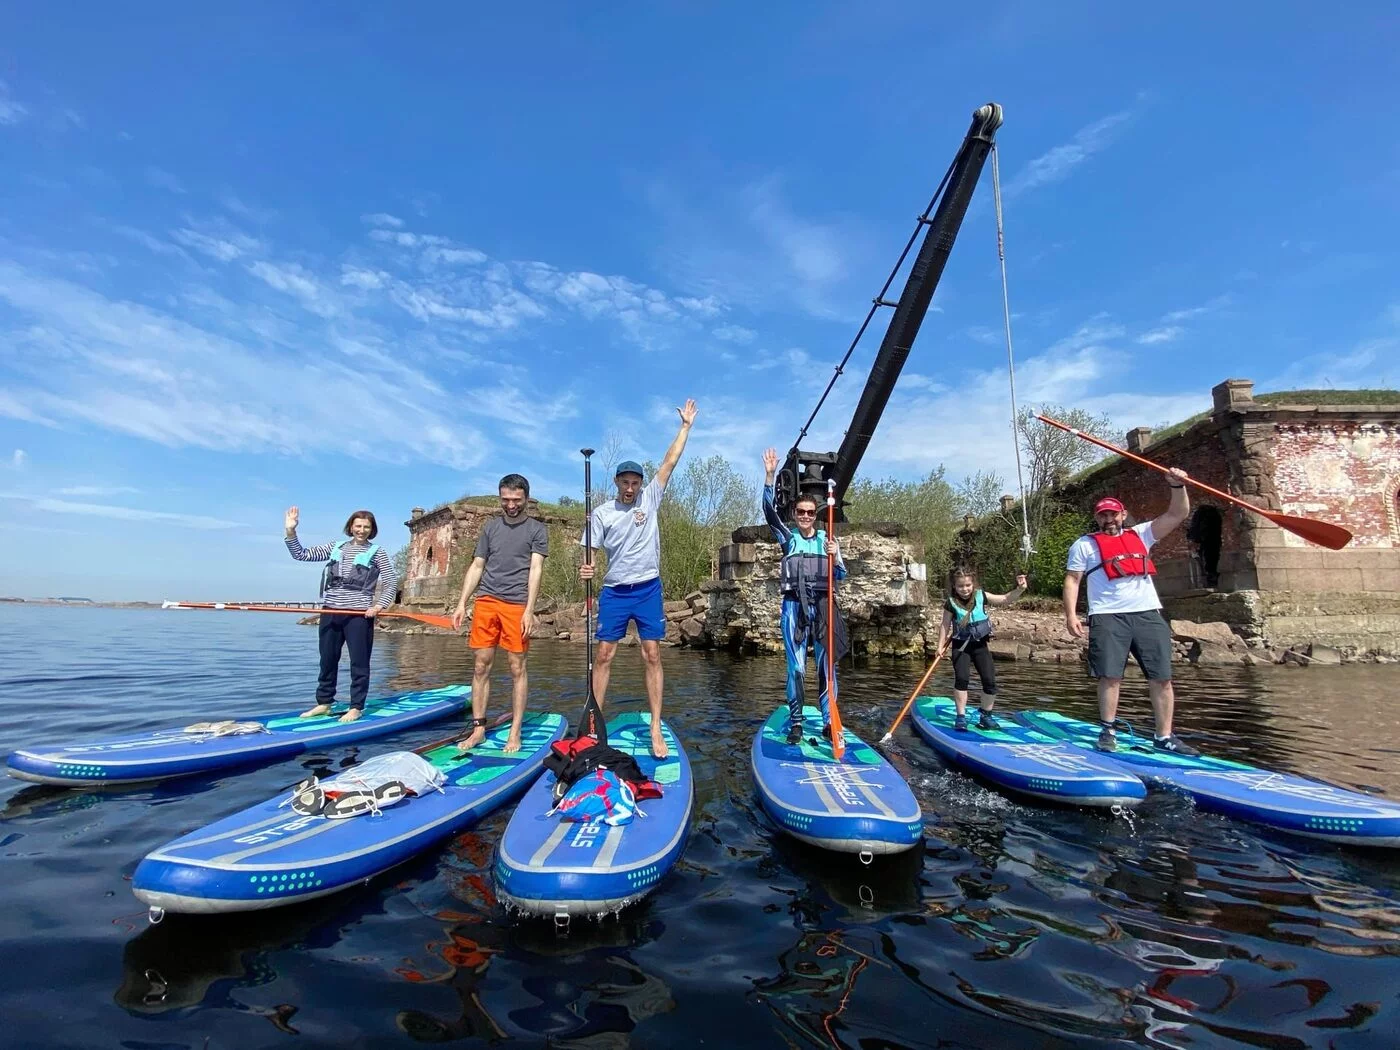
{"x": 356, "y": 633}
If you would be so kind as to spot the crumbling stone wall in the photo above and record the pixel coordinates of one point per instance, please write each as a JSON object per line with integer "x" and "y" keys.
{"x": 883, "y": 598}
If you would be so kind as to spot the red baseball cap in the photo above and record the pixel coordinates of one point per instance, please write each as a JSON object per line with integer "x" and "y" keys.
{"x": 1107, "y": 503}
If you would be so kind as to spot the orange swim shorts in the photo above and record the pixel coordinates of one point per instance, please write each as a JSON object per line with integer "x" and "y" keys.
{"x": 498, "y": 623}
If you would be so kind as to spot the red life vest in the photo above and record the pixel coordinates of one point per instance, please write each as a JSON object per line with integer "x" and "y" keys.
{"x": 1122, "y": 555}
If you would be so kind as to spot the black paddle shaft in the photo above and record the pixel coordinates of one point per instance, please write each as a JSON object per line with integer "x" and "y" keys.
{"x": 588, "y": 558}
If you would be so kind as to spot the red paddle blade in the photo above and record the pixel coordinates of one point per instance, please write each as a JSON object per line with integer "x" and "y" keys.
{"x": 1323, "y": 533}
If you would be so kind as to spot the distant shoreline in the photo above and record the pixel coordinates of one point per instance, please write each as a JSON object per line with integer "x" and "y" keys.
{"x": 79, "y": 603}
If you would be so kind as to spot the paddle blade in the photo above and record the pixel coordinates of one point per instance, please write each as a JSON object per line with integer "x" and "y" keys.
{"x": 1323, "y": 533}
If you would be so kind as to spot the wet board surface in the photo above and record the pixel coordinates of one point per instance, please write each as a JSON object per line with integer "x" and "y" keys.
{"x": 1280, "y": 800}
{"x": 172, "y": 752}
{"x": 549, "y": 866}
{"x": 268, "y": 855}
{"x": 858, "y": 805}
{"x": 1026, "y": 760}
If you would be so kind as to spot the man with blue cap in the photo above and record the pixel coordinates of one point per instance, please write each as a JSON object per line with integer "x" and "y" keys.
{"x": 628, "y": 530}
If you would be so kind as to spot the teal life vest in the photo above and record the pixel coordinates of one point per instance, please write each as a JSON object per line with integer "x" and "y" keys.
{"x": 970, "y": 625}
{"x": 803, "y": 574}
{"x": 363, "y": 575}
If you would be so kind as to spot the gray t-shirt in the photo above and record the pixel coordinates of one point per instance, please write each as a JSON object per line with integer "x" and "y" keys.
{"x": 631, "y": 537}
{"x": 507, "y": 548}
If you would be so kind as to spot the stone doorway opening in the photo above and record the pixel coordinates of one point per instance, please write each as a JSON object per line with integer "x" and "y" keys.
{"x": 1204, "y": 535}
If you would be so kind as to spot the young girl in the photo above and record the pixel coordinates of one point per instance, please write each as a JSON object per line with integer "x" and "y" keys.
{"x": 965, "y": 623}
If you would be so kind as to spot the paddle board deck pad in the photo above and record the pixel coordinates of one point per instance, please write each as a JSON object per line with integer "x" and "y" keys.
{"x": 1025, "y": 759}
{"x": 858, "y": 805}
{"x": 178, "y": 752}
{"x": 1285, "y": 801}
{"x": 269, "y": 855}
{"x": 546, "y": 865}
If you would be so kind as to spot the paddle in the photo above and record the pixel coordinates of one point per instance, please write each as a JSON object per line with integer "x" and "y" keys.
{"x": 590, "y": 722}
{"x": 838, "y": 741}
{"x": 428, "y": 618}
{"x": 917, "y": 690}
{"x": 1323, "y": 533}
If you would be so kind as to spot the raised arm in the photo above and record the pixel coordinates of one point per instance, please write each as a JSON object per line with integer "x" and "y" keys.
{"x": 673, "y": 454}
{"x": 781, "y": 532}
{"x": 1009, "y": 596}
{"x": 1177, "y": 509}
{"x": 318, "y": 553}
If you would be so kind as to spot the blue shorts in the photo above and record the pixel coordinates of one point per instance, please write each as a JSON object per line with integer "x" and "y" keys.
{"x": 631, "y": 601}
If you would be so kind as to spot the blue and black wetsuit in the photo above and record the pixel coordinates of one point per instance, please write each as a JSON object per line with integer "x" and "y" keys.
{"x": 804, "y": 600}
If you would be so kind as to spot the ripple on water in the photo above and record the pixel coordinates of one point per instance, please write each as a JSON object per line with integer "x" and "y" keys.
{"x": 1011, "y": 924}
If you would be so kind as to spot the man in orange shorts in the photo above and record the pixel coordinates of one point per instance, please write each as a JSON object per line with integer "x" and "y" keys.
{"x": 508, "y": 564}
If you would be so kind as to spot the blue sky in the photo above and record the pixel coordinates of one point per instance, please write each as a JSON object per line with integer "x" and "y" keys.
{"x": 340, "y": 257}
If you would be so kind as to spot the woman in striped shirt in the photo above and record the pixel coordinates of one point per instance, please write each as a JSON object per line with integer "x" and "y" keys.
{"x": 359, "y": 576}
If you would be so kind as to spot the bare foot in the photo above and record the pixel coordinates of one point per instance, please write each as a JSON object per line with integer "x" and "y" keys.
{"x": 658, "y": 745}
{"x": 478, "y": 735}
{"x": 352, "y": 715}
{"x": 316, "y": 712}
{"x": 512, "y": 743}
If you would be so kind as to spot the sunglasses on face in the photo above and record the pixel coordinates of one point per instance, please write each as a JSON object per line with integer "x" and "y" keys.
{"x": 804, "y": 514}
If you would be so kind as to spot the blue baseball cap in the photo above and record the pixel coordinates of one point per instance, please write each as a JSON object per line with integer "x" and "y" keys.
{"x": 629, "y": 466}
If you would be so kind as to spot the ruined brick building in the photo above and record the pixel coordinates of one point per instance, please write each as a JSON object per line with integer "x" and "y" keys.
{"x": 441, "y": 543}
{"x": 1339, "y": 462}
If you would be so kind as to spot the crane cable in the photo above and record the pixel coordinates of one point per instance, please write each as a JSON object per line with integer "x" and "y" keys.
{"x": 1026, "y": 548}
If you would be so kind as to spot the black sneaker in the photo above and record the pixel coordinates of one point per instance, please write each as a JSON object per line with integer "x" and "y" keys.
{"x": 794, "y": 733}
{"x": 986, "y": 721}
{"x": 1175, "y": 746}
{"x": 960, "y": 723}
{"x": 1108, "y": 739}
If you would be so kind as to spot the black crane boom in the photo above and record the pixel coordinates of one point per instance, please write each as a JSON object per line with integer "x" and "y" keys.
{"x": 808, "y": 472}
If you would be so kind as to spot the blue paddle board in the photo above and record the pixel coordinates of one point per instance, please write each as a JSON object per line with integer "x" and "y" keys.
{"x": 549, "y": 866}
{"x": 175, "y": 752}
{"x": 1284, "y": 801}
{"x": 1026, "y": 760}
{"x": 858, "y": 805}
{"x": 268, "y": 855}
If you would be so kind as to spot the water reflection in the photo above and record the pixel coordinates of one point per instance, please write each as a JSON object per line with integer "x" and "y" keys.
{"x": 1013, "y": 925}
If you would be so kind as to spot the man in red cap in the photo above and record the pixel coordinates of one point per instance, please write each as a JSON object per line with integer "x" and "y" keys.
{"x": 1125, "y": 614}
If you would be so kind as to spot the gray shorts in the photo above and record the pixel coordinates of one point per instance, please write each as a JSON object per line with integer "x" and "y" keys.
{"x": 1145, "y": 635}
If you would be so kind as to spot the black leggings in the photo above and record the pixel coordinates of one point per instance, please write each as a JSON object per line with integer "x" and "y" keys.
{"x": 357, "y": 634}
{"x": 975, "y": 653}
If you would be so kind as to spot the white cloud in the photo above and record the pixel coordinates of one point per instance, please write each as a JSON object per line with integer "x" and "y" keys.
{"x": 382, "y": 219}
{"x": 733, "y": 333}
{"x": 1160, "y": 335}
{"x": 297, "y": 282}
{"x": 45, "y": 505}
{"x": 224, "y": 243}
{"x": 18, "y": 459}
{"x": 164, "y": 180}
{"x": 11, "y": 112}
{"x": 1057, "y": 164}
{"x": 1175, "y": 316}
{"x": 96, "y": 490}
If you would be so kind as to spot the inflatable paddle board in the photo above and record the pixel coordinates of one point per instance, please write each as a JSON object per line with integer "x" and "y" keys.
{"x": 206, "y": 746}
{"x": 546, "y": 865}
{"x": 1284, "y": 801}
{"x": 859, "y": 805}
{"x": 1025, "y": 760}
{"x": 270, "y": 855}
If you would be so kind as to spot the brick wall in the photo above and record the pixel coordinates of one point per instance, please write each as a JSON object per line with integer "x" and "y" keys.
{"x": 429, "y": 553}
{"x": 1207, "y": 452}
{"x": 1347, "y": 473}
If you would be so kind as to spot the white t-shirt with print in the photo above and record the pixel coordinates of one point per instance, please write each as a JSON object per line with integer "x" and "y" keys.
{"x": 630, "y": 536}
{"x": 1123, "y": 595}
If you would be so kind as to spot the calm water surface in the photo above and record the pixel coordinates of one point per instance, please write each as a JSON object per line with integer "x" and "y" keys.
{"x": 1013, "y": 926}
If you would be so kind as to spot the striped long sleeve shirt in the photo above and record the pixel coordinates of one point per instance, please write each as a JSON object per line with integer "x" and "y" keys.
{"x": 340, "y": 597}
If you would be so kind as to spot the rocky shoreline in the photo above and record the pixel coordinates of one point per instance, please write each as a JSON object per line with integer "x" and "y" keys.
{"x": 1021, "y": 635}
